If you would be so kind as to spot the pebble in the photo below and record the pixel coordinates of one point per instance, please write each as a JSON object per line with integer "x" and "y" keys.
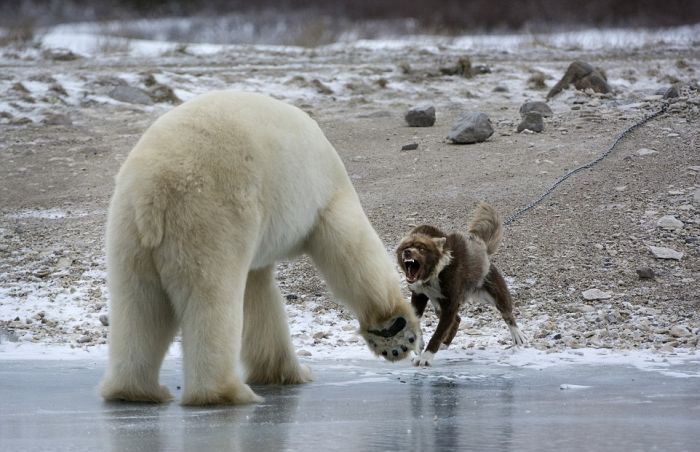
{"x": 646, "y": 151}
{"x": 661, "y": 252}
{"x": 595, "y": 294}
{"x": 537, "y": 107}
{"x": 532, "y": 121}
{"x": 669, "y": 222}
{"x": 420, "y": 116}
{"x": 471, "y": 128}
{"x": 679, "y": 331}
{"x": 130, "y": 95}
{"x": 645, "y": 273}
{"x": 104, "y": 319}
{"x": 303, "y": 353}
{"x": 409, "y": 147}
{"x": 84, "y": 339}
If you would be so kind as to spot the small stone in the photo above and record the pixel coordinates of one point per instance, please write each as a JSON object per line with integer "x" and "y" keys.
{"x": 595, "y": 294}
{"x": 471, "y": 128}
{"x": 668, "y": 348}
{"x": 420, "y": 116}
{"x": 130, "y": 95}
{"x": 409, "y": 147}
{"x": 532, "y": 121}
{"x": 321, "y": 335}
{"x": 321, "y": 87}
{"x": 679, "y": 331}
{"x": 291, "y": 297}
{"x": 645, "y": 273}
{"x": 645, "y": 151}
{"x": 104, "y": 319}
{"x": 660, "y": 252}
{"x": 669, "y": 222}
{"x": 500, "y": 89}
{"x": 303, "y": 353}
{"x": 84, "y": 339}
{"x": 537, "y": 107}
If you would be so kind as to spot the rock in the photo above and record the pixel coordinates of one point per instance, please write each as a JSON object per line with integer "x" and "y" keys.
{"x": 163, "y": 93}
{"x": 303, "y": 353}
{"x": 532, "y": 121}
{"x": 645, "y": 151}
{"x": 130, "y": 95}
{"x": 536, "y": 106}
{"x": 409, "y": 147}
{"x": 321, "y": 88}
{"x": 645, "y": 273}
{"x": 595, "y": 294}
{"x": 668, "y": 348}
{"x": 60, "y": 55}
{"x": 670, "y": 223}
{"x": 500, "y": 89}
{"x": 463, "y": 67}
{"x": 321, "y": 335}
{"x": 84, "y": 339}
{"x": 471, "y": 128}
{"x": 668, "y": 92}
{"x": 53, "y": 119}
{"x": 104, "y": 319}
{"x": 420, "y": 116}
{"x": 679, "y": 331}
{"x": 584, "y": 77}
{"x": 537, "y": 80}
{"x": 660, "y": 252}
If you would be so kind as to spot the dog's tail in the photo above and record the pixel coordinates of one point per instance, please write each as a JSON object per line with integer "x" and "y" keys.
{"x": 486, "y": 224}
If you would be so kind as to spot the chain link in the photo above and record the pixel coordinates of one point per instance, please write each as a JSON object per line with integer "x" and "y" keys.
{"x": 590, "y": 164}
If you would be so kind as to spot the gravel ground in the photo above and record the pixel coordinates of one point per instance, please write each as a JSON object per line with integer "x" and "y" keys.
{"x": 64, "y": 135}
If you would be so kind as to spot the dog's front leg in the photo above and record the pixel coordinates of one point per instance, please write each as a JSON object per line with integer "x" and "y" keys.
{"x": 447, "y": 318}
{"x": 419, "y": 302}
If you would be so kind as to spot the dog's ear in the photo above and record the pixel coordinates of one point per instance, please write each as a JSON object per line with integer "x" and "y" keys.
{"x": 440, "y": 242}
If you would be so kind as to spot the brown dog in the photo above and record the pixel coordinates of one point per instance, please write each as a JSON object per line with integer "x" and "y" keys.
{"x": 447, "y": 268}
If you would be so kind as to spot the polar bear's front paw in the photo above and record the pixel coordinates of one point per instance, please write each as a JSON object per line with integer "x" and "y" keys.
{"x": 394, "y": 339}
{"x": 424, "y": 360}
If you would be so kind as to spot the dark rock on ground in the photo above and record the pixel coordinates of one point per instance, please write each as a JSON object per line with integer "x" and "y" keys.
{"x": 532, "y": 121}
{"x": 130, "y": 95}
{"x": 536, "y": 106}
{"x": 471, "y": 128}
{"x": 409, "y": 147}
{"x": 421, "y": 116}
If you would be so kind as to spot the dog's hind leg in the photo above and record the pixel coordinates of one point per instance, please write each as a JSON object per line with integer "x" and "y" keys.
{"x": 496, "y": 287}
{"x": 452, "y": 332}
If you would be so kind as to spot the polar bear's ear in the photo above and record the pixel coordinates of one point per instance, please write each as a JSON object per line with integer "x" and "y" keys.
{"x": 440, "y": 242}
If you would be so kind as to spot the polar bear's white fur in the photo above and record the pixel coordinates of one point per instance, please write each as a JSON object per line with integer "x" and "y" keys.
{"x": 214, "y": 193}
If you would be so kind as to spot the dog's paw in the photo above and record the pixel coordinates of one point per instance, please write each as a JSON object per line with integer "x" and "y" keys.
{"x": 424, "y": 360}
{"x": 394, "y": 340}
{"x": 518, "y": 336}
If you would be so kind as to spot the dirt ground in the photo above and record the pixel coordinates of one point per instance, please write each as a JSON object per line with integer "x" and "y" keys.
{"x": 593, "y": 232}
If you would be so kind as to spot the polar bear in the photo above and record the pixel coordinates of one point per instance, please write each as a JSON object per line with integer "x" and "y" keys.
{"x": 214, "y": 193}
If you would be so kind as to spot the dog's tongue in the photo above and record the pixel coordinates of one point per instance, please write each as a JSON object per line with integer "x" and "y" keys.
{"x": 411, "y": 273}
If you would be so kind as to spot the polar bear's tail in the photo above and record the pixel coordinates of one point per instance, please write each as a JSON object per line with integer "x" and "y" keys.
{"x": 149, "y": 203}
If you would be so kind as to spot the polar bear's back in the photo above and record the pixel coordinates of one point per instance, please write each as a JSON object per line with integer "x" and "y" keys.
{"x": 233, "y": 155}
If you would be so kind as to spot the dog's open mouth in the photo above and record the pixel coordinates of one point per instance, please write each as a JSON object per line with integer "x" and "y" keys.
{"x": 412, "y": 268}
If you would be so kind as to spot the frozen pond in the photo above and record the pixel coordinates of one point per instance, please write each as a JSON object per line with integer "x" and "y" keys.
{"x": 365, "y": 405}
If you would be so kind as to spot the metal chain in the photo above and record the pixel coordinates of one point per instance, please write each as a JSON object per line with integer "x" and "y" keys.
{"x": 590, "y": 164}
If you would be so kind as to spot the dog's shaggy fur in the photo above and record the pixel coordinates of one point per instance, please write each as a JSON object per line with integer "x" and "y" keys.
{"x": 447, "y": 268}
{"x": 212, "y": 195}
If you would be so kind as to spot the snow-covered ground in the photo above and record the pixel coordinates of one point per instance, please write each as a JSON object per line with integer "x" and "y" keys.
{"x": 318, "y": 332}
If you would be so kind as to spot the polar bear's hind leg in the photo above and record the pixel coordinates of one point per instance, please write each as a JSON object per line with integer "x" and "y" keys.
{"x": 142, "y": 323}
